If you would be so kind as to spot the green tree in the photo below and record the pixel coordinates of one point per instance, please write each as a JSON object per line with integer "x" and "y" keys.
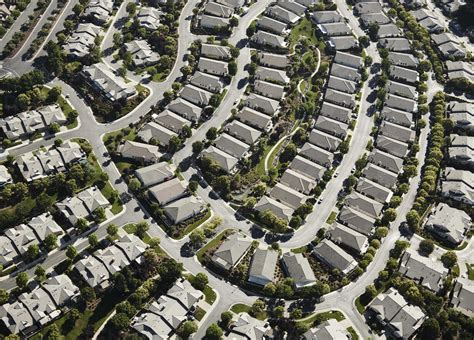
{"x": 430, "y": 329}
{"x": 211, "y": 134}
{"x": 32, "y": 252}
{"x": 214, "y": 332}
{"x": 22, "y": 280}
{"x": 371, "y": 291}
{"x": 51, "y": 241}
{"x": 134, "y": 184}
{"x": 53, "y": 333}
{"x": 40, "y": 273}
{"x": 4, "y": 296}
{"x": 413, "y": 220}
{"x": 426, "y": 247}
{"x": 449, "y": 259}
{"x": 258, "y": 307}
{"x": 88, "y": 294}
{"x": 226, "y": 318}
{"x": 200, "y": 281}
{"x": 112, "y": 230}
{"x": 71, "y": 252}
{"x": 119, "y": 322}
{"x": 197, "y": 146}
{"x": 187, "y": 328}
{"x": 141, "y": 228}
{"x": 93, "y": 240}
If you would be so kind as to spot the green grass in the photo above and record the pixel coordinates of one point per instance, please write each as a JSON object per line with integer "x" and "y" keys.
{"x": 211, "y": 244}
{"x": 353, "y": 333}
{"x": 243, "y": 308}
{"x": 319, "y": 318}
{"x": 67, "y": 109}
{"x": 304, "y": 28}
{"x": 209, "y": 295}
{"x": 8, "y": 271}
{"x": 275, "y": 152}
{"x": 299, "y": 250}
{"x": 462, "y": 246}
{"x": 131, "y": 136}
{"x": 199, "y": 313}
{"x": 470, "y": 271}
{"x": 131, "y": 229}
{"x": 190, "y": 227}
{"x": 332, "y": 217}
{"x": 360, "y": 307}
{"x": 260, "y": 167}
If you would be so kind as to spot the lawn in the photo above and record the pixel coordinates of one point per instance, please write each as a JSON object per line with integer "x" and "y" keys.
{"x": 67, "y": 109}
{"x": 274, "y": 153}
{"x": 360, "y": 307}
{"x": 321, "y": 317}
{"x": 243, "y": 308}
{"x": 260, "y": 167}
{"x": 299, "y": 250}
{"x": 304, "y": 28}
{"x": 112, "y": 136}
{"x": 470, "y": 271}
{"x": 211, "y": 244}
{"x": 190, "y": 227}
{"x": 353, "y": 333}
{"x": 209, "y": 294}
{"x": 332, "y": 217}
{"x": 131, "y": 229}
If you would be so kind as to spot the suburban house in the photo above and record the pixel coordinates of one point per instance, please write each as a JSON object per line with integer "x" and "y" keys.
{"x": 307, "y": 168}
{"x": 168, "y": 191}
{"x": 342, "y": 235}
{"x": 5, "y": 176}
{"x": 330, "y": 330}
{"x": 247, "y": 327}
{"x": 149, "y": 18}
{"x": 463, "y": 294}
{"x": 141, "y": 52}
{"x": 287, "y": 195}
{"x": 448, "y": 223}
{"x": 386, "y": 160}
{"x": 374, "y": 190}
{"x": 403, "y": 59}
{"x": 273, "y": 60}
{"x": 357, "y": 220}
{"x": 280, "y": 210}
{"x": 226, "y": 162}
{"x": 99, "y": 11}
{"x": 364, "y": 204}
{"x": 79, "y": 43}
{"x": 334, "y": 256}
{"x": 298, "y": 268}
{"x": 231, "y": 251}
{"x": 139, "y": 152}
{"x": 262, "y": 267}
{"x": 184, "y": 209}
{"x": 380, "y": 175}
{"x": 155, "y": 173}
{"x": 171, "y": 121}
{"x": 269, "y": 39}
{"x": 297, "y": 181}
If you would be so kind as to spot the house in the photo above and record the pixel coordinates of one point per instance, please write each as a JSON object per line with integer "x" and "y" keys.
{"x": 212, "y": 66}
{"x": 171, "y": 121}
{"x": 349, "y": 60}
{"x": 340, "y": 234}
{"x": 22, "y": 237}
{"x": 458, "y": 191}
{"x": 271, "y": 75}
{"x": 184, "y": 208}
{"x": 72, "y": 153}
{"x": 331, "y": 126}
{"x": 398, "y": 117}
{"x": 386, "y": 160}
{"x": 293, "y": 6}
{"x": 357, "y": 220}
{"x": 334, "y": 29}
{"x": 139, "y": 152}
{"x": 246, "y": 327}
{"x": 141, "y": 53}
{"x": 61, "y": 289}
{"x": 271, "y": 40}
{"x": 156, "y": 132}
{"x": 16, "y": 318}
{"x": 340, "y": 98}
{"x": 171, "y": 311}
{"x": 379, "y": 18}
{"x": 218, "y": 10}
{"x": 261, "y": 103}
{"x": 462, "y": 176}
{"x": 367, "y": 7}
{"x": 402, "y": 90}
{"x": 461, "y": 155}
{"x": 254, "y": 118}
{"x": 82, "y": 205}
{"x": 281, "y": 14}
{"x": 207, "y": 82}
{"x": 392, "y": 146}
{"x": 334, "y": 256}
{"x": 298, "y": 268}
{"x": 287, "y": 196}
{"x": 463, "y": 294}
{"x": 149, "y": 18}
{"x": 5, "y": 177}
{"x": 155, "y": 173}
{"x": 244, "y": 132}
{"x": 99, "y": 11}
{"x": 232, "y": 146}
{"x": 403, "y": 60}
{"x": 401, "y": 103}
{"x": 30, "y": 167}
{"x": 448, "y": 46}
{"x": 93, "y": 271}
{"x": 195, "y": 95}
{"x": 374, "y": 190}
{"x": 449, "y": 224}
{"x": 424, "y": 270}
{"x": 231, "y": 251}
{"x": 226, "y": 162}
{"x": 342, "y": 43}
{"x": 152, "y": 326}
{"x": 183, "y": 292}
{"x": 132, "y": 246}
{"x": 403, "y": 74}
{"x": 391, "y": 310}
{"x": 80, "y": 41}
{"x": 345, "y": 72}
{"x": 336, "y": 112}
{"x": 307, "y": 168}
{"x": 278, "y": 61}
{"x": 215, "y": 51}
{"x": 12, "y": 127}
{"x": 380, "y": 175}
{"x": 462, "y": 141}
{"x": 112, "y": 87}
{"x": 330, "y": 330}
{"x": 325, "y": 17}
{"x": 168, "y": 191}
{"x": 463, "y": 121}
{"x": 297, "y": 181}
{"x": 8, "y": 252}
{"x": 432, "y": 25}
{"x": 214, "y": 23}
{"x": 341, "y": 84}
{"x": 364, "y": 204}
{"x": 272, "y": 25}
{"x": 52, "y": 114}
{"x": 113, "y": 259}
{"x": 269, "y": 90}
{"x": 397, "y": 132}
{"x": 93, "y": 199}
{"x": 262, "y": 267}
{"x": 396, "y": 44}
{"x": 324, "y": 140}
{"x": 44, "y": 225}
{"x": 388, "y": 31}
{"x": 232, "y": 3}
{"x": 185, "y": 109}
{"x": 317, "y": 155}
{"x": 280, "y": 210}
{"x": 51, "y": 161}
{"x": 32, "y": 121}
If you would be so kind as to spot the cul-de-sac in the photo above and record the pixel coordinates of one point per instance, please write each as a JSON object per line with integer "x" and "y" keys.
{"x": 237, "y": 169}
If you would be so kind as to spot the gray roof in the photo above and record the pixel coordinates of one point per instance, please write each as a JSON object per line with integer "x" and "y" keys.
{"x": 282, "y": 14}
{"x": 364, "y": 204}
{"x": 307, "y": 168}
{"x": 132, "y": 246}
{"x": 404, "y": 74}
{"x": 298, "y": 268}
{"x": 262, "y": 267}
{"x": 155, "y": 173}
{"x": 397, "y": 116}
{"x": 341, "y": 84}
{"x": 386, "y": 160}
{"x": 350, "y": 238}
{"x": 60, "y": 288}
{"x": 374, "y": 190}
{"x": 335, "y": 29}
{"x": 215, "y": 51}
{"x": 168, "y": 191}
{"x": 279, "y": 209}
{"x": 272, "y": 75}
{"x": 396, "y": 44}
{"x": 388, "y": 31}
{"x": 328, "y": 330}
{"x": 397, "y": 132}
{"x": 345, "y": 72}
{"x": 212, "y": 66}
{"x": 242, "y": 131}
{"x": 403, "y": 90}
{"x": 463, "y": 296}
{"x": 252, "y": 117}
{"x": 185, "y": 109}
{"x": 343, "y": 43}
{"x": 8, "y": 251}
{"x": 171, "y": 121}
{"x": 334, "y": 256}
{"x": 458, "y": 191}
{"x": 449, "y": 223}
{"x": 269, "y": 90}
{"x": 322, "y": 17}
{"x": 324, "y": 140}
{"x": 231, "y": 145}
{"x": 92, "y": 271}
{"x": 457, "y": 140}
{"x": 218, "y": 10}
{"x": 403, "y": 59}
{"x": 209, "y": 21}
{"x": 195, "y": 95}
{"x": 454, "y": 175}
{"x": 271, "y": 25}
{"x": 348, "y": 60}
{"x": 226, "y": 161}
{"x": 184, "y": 208}
{"x": 261, "y": 103}
{"x": 136, "y": 150}
{"x": 231, "y": 251}
{"x": 368, "y": 7}
{"x": 292, "y": 6}
{"x": 297, "y": 181}
{"x": 142, "y": 53}
{"x": 317, "y": 154}
{"x": 273, "y": 60}
{"x": 392, "y": 146}
{"x": 331, "y": 126}
{"x": 269, "y": 39}
{"x": 43, "y": 225}
{"x": 112, "y": 86}
{"x": 340, "y": 98}
{"x": 156, "y": 131}
{"x": 372, "y": 18}
{"x": 380, "y": 175}
{"x": 357, "y": 220}
{"x": 336, "y": 112}
{"x": 401, "y": 103}
{"x": 287, "y": 195}
{"x": 207, "y": 82}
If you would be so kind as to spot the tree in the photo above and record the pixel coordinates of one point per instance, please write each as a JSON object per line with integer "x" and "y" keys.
{"x": 200, "y": 281}
{"x": 134, "y": 184}
{"x": 32, "y": 252}
{"x": 198, "y": 146}
{"x": 226, "y": 318}
{"x": 193, "y": 186}
{"x": 186, "y": 329}
{"x": 426, "y": 247}
{"x": 112, "y": 230}
{"x": 269, "y": 289}
{"x": 71, "y": 252}
{"x": 4, "y": 296}
{"x": 126, "y": 308}
{"x": 211, "y": 134}
{"x": 288, "y": 153}
{"x": 51, "y": 241}
{"x": 413, "y": 220}
{"x": 40, "y": 273}
{"x": 141, "y": 229}
{"x": 449, "y": 259}
{"x": 371, "y": 291}
{"x": 278, "y": 312}
{"x": 252, "y": 29}
{"x": 53, "y": 333}
{"x": 197, "y": 238}
{"x": 82, "y": 224}
{"x": 296, "y": 313}
{"x": 119, "y": 322}
{"x": 257, "y": 307}
{"x": 88, "y": 294}
{"x": 430, "y": 329}
{"x": 390, "y": 214}
{"x": 22, "y": 280}
{"x": 232, "y": 66}
{"x": 234, "y": 22}
{"x": 214, "y": 332}
{"x": 93, "y": 240}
